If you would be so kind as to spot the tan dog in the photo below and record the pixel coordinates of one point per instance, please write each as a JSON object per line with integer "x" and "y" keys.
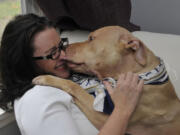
{"x": 108, "y": 52}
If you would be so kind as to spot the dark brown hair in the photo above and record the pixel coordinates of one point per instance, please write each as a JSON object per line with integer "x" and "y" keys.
{"x": 17, "y": 67}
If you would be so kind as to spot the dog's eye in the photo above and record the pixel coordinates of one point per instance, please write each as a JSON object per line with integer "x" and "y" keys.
{"x": 91, "y": 38}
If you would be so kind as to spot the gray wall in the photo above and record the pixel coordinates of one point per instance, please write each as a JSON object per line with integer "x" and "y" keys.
{"x": 157, "y": 15}
{"x": 161, "y": 16}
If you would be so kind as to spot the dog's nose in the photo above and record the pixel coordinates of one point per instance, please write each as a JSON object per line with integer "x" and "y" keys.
{"x": 64, "y": 58}
{"x": 133, "y": 42}
{"x": 63, "y": 55}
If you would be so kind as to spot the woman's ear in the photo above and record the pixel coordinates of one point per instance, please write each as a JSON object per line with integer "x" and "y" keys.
{"x": 139, "y": 51}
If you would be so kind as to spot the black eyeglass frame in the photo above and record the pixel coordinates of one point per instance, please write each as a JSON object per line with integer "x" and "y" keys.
{"x": 61, "y": 46}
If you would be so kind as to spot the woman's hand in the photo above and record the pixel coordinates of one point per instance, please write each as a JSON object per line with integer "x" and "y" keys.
{"x": 125, "y": 97}
{"x": 126, "y": 93}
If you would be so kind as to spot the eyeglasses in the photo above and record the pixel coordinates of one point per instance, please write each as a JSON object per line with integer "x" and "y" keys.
{"x": 56, "y": 52}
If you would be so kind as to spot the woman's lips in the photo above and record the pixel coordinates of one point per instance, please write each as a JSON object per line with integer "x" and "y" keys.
{"x": 60, "y": 66}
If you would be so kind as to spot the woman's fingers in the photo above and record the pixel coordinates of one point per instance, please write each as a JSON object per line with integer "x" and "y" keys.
{"x": 127, "y": 90}
{"x": 129, "y": 77}
{"x": 127, "y": 85}
{"x": 135, "y": 79}
{"x": 108, "y": 87}
{"x": 120, "y": 79}
{"x": 140, "y": 85}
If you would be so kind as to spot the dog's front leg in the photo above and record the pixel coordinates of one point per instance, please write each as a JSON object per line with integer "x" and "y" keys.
{"x": 81, "y": 98}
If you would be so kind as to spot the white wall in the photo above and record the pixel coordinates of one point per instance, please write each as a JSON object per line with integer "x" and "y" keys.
{"x": 157, "y": 15}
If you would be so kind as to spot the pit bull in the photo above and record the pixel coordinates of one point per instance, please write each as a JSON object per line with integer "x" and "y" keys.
{"x": 108, "y": 52}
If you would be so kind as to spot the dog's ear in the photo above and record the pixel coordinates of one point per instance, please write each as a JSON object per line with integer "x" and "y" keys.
{"x": 139, "y": 51}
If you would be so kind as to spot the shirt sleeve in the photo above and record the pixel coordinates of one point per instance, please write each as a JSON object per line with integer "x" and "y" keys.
{"x": 45, "y": 111}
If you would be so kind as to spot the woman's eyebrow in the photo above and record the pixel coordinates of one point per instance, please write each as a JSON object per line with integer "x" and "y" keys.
{"x": 51, "y": 49}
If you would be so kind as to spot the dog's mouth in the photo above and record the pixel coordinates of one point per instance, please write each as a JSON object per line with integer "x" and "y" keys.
{"x": 72, "y": 64}
{"x": 79, "y": 67}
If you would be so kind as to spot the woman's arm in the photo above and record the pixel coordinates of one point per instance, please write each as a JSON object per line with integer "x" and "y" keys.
{"x": 116, "y": 123}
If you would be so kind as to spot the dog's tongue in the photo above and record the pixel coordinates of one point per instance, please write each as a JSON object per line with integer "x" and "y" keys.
{"x": 72, "y": 65}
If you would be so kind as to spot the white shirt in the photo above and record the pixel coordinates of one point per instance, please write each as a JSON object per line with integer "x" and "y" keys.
{"x": 45, "y": 110}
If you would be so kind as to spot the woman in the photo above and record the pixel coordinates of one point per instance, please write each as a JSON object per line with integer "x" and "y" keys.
{"x": 31, "y": 46}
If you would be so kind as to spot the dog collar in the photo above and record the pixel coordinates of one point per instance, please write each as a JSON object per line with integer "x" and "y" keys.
{"x": 156, "y": 76}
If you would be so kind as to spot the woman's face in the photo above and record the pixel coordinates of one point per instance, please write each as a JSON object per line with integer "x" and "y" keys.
{"x": 44, "y": 43}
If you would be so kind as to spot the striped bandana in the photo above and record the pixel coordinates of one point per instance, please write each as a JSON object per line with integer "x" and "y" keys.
{"x": 156, "y": 76}
{"x": 103, "y": 102}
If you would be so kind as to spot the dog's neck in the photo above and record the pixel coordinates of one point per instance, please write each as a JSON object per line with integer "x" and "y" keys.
{"x": 129, "y": 64}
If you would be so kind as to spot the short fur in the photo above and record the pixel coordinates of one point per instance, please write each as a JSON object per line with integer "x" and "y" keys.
{"x": 108, "y": 52}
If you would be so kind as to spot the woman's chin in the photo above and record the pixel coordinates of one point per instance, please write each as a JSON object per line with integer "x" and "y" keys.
{"x": 63, "y": 74}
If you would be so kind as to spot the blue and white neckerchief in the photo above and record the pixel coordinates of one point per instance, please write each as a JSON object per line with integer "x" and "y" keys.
{"x": 93, "y": 86}
{"x": 102, "y": 101}
{"x": 156, "y": 76}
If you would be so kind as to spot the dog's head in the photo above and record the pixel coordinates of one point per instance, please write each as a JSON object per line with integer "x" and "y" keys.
{"x": 107, "y": 49}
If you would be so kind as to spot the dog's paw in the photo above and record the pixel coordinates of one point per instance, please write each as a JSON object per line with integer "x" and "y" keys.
{"x": 42, "y": 80}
